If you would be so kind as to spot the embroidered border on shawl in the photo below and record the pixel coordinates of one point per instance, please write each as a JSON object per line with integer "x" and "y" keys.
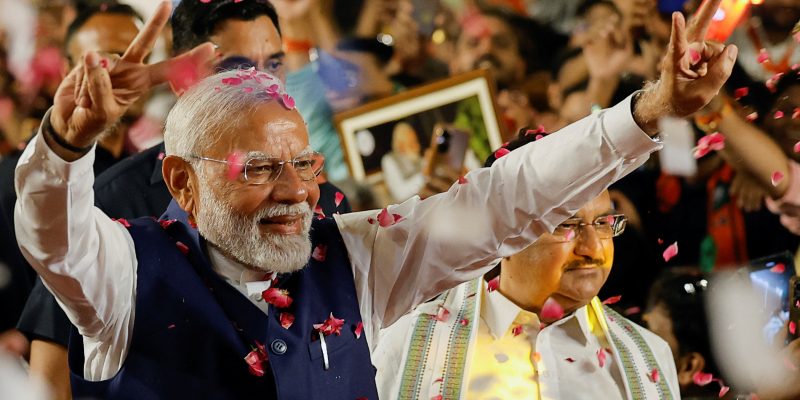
{"x": 418, "y": 350}
{"x": 458, "y": 345}
{"x": 631, "y": 371}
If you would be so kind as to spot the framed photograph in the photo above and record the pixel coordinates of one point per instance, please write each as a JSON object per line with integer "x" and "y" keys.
{"x": 392, "y": 143}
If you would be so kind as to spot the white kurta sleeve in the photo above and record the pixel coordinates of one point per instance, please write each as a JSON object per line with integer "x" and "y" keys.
{"x": 456, "y": 236}
{"x": 87, "y": 260}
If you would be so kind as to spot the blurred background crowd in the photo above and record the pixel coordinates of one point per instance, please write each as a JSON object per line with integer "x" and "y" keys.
{"x": 553, "y": 61}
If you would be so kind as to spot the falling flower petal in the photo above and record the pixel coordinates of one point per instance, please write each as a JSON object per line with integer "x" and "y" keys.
{"x": 776, "y": 178}
{"x": 654, "y": 376}
{"x": 797, "y": 147}
{"x": 183, "y": 75}
{"x": 171, "y": 326}
{"x": 670, "y": 252}
{"x": 601, "y": 358}
{"x": 752, "y": 116}
{"x": 709, "y": 143}
{"x": 632, "y": 310}
{"x": 701, "y": 378}
{"x": 551, "y": 310}
{"x": 166, "y": 223}
{"x": 332, "y": 325}
{"x": 287, "y": 320}
{"x": 205, "y": 1}
{"x": 443, "y": 315}
{"x": 462, "y": 180}
{"x": 161, "y": 155}
{"x": 723, "y": 390}
{"x": 337, "y": 198}
{"x": 182, "y": 247}
{"x": 792, "y": 327}
{"x": 741, "y": 92}
{"x": 516, "y": 330}
{"x": 778, "y": 114}
{"x": 612, "y": 300}
{"x": 570, "y": 359}
{"x": 277, "y": 297}
{"x": 763, "y": 56}
{"x": 359, "y": 328}
{"x": 493, "y": 284}
{"x": 779, "y": 268}
{"x": 500, "y": 153}
{"x": 320, "y": 252}
{"x": 319, "y": 212}
{"x": 235, "y": 166}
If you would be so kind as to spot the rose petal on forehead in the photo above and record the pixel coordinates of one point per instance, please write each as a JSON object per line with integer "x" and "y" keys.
{"x": 701, "y": 378}
{"x": 779, "y": 268}
{"x": 287, "y": 319}
{"x": 763, "y": 56}
{"x": 776, "y": 178}
{"x": 235, "y": 162}
{"x": 612, "y": 300}
{"x": 552, "y": 310}
{"x": 319, "y": 252}
{"x": 337, "y": 198}
{"x": 670, "y": 252}
{"x": 493, "y": 284}
{"x": 741, "y": 92}
{"x": 359, "y": 328}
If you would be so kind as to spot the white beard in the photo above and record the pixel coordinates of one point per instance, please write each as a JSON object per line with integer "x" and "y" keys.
{"x": 239, "y": 236}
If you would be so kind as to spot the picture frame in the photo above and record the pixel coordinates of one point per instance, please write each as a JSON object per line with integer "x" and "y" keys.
{"x": 371, "y": 133}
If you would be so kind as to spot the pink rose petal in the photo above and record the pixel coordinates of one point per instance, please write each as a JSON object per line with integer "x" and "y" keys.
{"x": 319, "y": 252}
{"x": 741, "y": 92}
{"x": 287, "y": 101}
{"x": 779, "y": 268}
{"x": 601, "y": 358}
{"x": 501, "y": 153}
{"x": 776, "y": 178}
{"x": 332, "y": 325}
{"x": 632, "y": 310}
{"x": 232, "y": 81}
{"x": 287, "y": 319}
{"x": 701, "y": 378}
{"x": 670, "y": 252}
{"x": 551, "y": 310}
{"x": 124, "y": 222}
{"x": 166, "y": 223}
{"x": 796, "y": 113}
{"x": 337, "y": 198}
{"x": 752, "y": 116}
{"x": 235, "y": 166}
{"x": 694, "y": 56}
{"x": 319, "y": 212}
{"x": 437, "y": 397}
{"x": 464, "y": 322}
{"x": 359, "y": 328}
{"x": 517, "y": 330}
{"x": 723, "y": 391}
{"x": 709, "y": 143}
{"x": 792, "y": 327}
{"x": 797, "y": 147}
{"x": 385, "y": 219}
{"x": 493, "y": 284}
{"x": 612, "y": 300}
{"x": 778, "y": 114}
{"x": 182, "y": 247}
{"x": 462, "y": 180}
{"x": 654, "y": 376}
{"x": 569, "y": 235}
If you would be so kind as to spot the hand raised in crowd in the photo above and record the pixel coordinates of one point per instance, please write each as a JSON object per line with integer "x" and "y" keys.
{"x": 692, "y": 73}
{"x": 608, "y": 52}
{"x": 95, "y": 94}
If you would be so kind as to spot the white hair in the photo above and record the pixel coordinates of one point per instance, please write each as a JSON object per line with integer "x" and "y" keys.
{"x": 214, "y": 106}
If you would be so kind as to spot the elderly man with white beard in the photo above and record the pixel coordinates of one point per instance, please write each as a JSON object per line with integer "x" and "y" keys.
{"x": 263, "y": 298}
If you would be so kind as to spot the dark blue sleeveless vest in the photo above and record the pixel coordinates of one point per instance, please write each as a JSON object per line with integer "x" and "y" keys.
{"x": 192, "y": 330}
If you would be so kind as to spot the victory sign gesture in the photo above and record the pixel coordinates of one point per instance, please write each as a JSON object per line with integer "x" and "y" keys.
{"x": 99, "y": 91}
{"x": 692, "y": 72}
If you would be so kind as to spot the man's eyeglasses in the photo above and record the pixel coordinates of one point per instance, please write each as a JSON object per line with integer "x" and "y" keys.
{"x": 263, "y": 170}
{"x": 606, "y": 227}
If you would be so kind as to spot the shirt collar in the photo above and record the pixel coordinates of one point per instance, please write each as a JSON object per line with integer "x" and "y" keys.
{"x": 247, "y": 280}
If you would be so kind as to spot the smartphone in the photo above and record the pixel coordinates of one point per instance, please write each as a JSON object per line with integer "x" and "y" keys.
{"x": 770, "y": 279}
{"x": 727, "y": 17}
{"x": 448, "y": 146}
{"x": 794, "y": 309}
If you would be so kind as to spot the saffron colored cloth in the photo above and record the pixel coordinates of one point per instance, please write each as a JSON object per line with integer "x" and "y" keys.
{"x": 88, "y": 261}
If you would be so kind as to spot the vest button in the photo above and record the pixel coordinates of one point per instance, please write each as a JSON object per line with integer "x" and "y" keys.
{"x": 278, "y": 346}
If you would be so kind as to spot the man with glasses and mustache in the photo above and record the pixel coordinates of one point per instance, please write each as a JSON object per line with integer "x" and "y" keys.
{"x": 167, "y": 311}
{"x": 532, "y": 328}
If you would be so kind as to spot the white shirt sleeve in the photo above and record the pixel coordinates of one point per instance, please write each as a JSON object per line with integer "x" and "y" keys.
{"x": 87, "y": 260}
{"x": 456, "y": 236}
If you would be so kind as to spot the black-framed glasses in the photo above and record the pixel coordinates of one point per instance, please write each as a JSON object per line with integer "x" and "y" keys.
{"x": 606, "y": 227}
{"x": 263, "y": 170}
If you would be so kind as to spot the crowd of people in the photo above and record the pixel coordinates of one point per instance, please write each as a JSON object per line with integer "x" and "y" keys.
{"x": 178, "y": 218}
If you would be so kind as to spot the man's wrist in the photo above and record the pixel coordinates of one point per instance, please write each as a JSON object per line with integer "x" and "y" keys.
{"x": 59, "y": 145}
{"x": 647, "y": 109}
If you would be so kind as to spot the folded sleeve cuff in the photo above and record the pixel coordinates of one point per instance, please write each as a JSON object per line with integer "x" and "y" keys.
{"x": 54, "y": 165}
{"x": 624, "y": 134}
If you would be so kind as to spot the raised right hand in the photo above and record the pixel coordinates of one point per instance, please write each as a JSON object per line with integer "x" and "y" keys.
{"x": 97, "y": 93}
